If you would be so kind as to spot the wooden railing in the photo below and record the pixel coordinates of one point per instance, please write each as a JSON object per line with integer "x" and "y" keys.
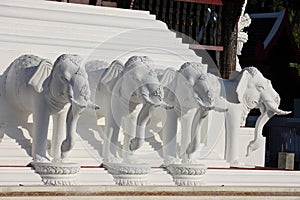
{"x": 196, "y": 21}
{"x": 200, "y": 20}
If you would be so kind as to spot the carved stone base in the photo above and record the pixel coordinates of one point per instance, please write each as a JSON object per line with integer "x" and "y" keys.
{"x": 187, "y": 174}
{"x": 57, "y": 174}
{"x": 128, "y": 174}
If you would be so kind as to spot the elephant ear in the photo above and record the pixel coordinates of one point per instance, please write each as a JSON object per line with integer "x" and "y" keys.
{"x": 112, "y": 72}
{"x": 42, "y": 73}
{"x": 167, "y": 76}
{"x": 242, "y": 84}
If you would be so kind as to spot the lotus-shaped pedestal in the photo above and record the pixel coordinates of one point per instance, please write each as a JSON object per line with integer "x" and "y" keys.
{"x": 187, "y": 174}
{"x": 128, "y": 173}
{"x": 57, "y": 174}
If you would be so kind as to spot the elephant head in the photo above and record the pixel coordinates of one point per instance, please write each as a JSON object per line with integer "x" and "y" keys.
{"x": 69, "y": 84}
{"x": 203, "y": 89}
{"x": 255, "y": 91}
{"x": 142, "y": 81}
{"x": 208, "y": 93}
{"x": 185, "y": 89}
{"x": 48, "y": 89}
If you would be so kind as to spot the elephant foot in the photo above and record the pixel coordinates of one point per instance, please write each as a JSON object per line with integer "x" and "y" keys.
{"x": 192, "y": 147}
{"x": 240, "y": 164}
{"x": 170, "y": 160}
{"x": 135, "y": 143}
{"x": 56, "y": 160}
{"x": 40, "y": 159}
{"x": 237, "y": 163}
{"x": 112, "y": 159}
{"x": 66, "y": 146}
{"x": 61, "y": 160}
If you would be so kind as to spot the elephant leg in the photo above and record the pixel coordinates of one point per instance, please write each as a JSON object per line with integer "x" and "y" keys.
{"x": 59, "y": 133}
{"x": 111, "y": 138}
{"x": 232, "y": 124}
{"x": 186, "y": 128}
{"x": 114, "y": 140}
{"x": 195, "y": 132}
{"x": 143, "y": 118}
{"x": 169, "y": 133}
{"x": 129, "y": 123}
{"x": 40, "y": 131}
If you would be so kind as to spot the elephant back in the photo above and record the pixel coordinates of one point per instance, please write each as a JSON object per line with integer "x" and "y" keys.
{"x": 20, "y": 72}
{"x": 95, "y": 70}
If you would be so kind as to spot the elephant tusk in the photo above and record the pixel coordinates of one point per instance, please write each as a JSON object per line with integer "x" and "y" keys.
{"x": 282, "y": 112}
{"x": 92, "y": 106}
{"x": 272, "y": 106}
{"x": 148, "y": 100}
{"x": 77, "y": 104}
{"x": 219, "y": 109}
{"x": 166, "y": 106}
{"x": 202, "y": 105}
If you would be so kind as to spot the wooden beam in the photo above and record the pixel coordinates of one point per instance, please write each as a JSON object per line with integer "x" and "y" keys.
{"x": 206, "y": 47}
{"x": 107, "y": 4}
{"x": 212, "y": 2}
{"x": 79, "y": 1}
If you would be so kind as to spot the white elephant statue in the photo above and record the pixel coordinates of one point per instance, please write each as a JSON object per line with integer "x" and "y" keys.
{"x": 34, "y": 85}
{"x": 180, "y": 93}
{"x": 244, "y": 91}
{"x": 118, "y": 89}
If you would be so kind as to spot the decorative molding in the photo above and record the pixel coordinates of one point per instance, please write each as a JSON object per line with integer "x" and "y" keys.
{"x": 128, "y": 174}
{"x": 187, "y": 174}
{"x": 57, "y": 173}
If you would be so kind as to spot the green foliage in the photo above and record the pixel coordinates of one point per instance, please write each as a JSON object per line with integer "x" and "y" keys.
{"x": 294, "y": 18}
{"x": 297, "y": 66}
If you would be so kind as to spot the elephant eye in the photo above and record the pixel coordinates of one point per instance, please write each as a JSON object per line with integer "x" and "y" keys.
{"x": 63, "y": 78}
{"x": 151, "y": 72}
{"x": 260, "y": 87}
{"x": 202, "y": 77}
{"x": 187, "y": 83}
{"x": 136, "y": 78}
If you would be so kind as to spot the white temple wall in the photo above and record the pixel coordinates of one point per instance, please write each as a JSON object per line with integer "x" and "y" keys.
{"x": 49, "y": 29}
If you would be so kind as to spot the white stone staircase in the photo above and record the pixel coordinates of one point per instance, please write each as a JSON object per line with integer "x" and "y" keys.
{"x": 13, "y": 169}
{"x": 12, "y": 154}
{"x": 14, "y": 172}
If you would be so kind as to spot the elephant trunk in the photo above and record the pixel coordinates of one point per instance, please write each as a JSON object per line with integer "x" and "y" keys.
{"x": 261, "y": 121}
{"x": 87, "y": 104}
{"x": 202, "y": 105}
{"x": 267, "y": 109}
{"x": 152, "y": 99}
{"x": 211, "y": 105}
{"x": 72, "y": 119}
{"x": 272, "y": 106}
{"x": 142, "y": 120}
{"x": 155, "y": 98}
